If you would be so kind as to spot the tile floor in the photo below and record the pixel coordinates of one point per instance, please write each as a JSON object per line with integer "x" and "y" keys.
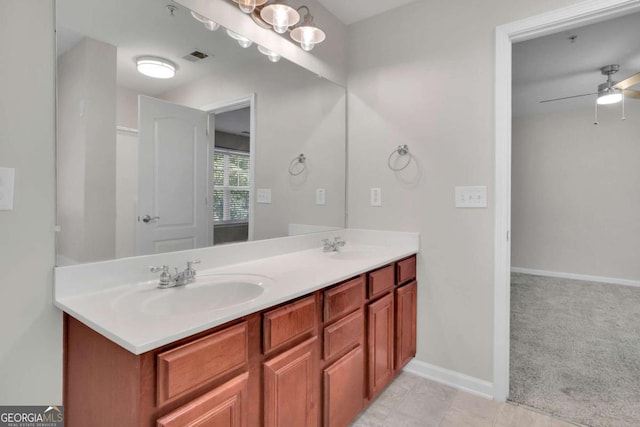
{"x": 414, "y": 401}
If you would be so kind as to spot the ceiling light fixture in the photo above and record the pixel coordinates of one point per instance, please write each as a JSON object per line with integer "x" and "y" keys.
{"x": 242, "y": 41}
{"x": 280, "y": 15}
{"x": 156, "y": 67}
{"x": 208, "y": 23}
{"x": 307, "y": 34}
{"x": 609, "y": 96}
{"x": 273, "y": 57}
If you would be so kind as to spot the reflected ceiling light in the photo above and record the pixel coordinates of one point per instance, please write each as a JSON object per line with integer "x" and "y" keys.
{"x": 242, "y": 41}
{"x": 273, "y": 57}
{"x": 248, "y": 6}
{"x": 208, "y": 23}
{"x": 609, "y": 96}
{"x": 307, "y": 34}
{"x": 280, "y": 15}
{"x": 156, "y": 67}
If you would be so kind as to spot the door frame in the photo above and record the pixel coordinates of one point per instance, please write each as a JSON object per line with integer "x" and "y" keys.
{"x": 574, "y": 16}
{"x": 231, "y": 105}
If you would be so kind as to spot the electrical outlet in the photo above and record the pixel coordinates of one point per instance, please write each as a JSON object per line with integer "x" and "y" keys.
{"x": 263, "y": 195}
{"x": 376, "y": 197}
{"x": 471, "y": 197}
{"x": 320, "y": 196}
{"x": 7, "y": 176}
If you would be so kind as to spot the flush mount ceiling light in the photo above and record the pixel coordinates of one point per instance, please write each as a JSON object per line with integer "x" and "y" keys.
{"x": 307, "y": 34}
{"x": 208, "y": 23}
{"x": 280, "y": 15}
{"x": 273, "y": 57}
{"x": 156, "y": 67}
{"x": 242, "y": 41}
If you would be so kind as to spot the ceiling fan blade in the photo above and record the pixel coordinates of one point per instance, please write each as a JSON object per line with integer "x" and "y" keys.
{"x": 568, "y": 97}
{"x": 631, "y": 93}
{"x": 628, "y": 82}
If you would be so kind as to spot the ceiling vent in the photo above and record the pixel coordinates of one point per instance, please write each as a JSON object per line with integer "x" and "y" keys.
{"x": 195, "y": 56}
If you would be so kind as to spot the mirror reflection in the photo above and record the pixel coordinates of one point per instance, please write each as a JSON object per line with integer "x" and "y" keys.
{"x": 226, "y": 146}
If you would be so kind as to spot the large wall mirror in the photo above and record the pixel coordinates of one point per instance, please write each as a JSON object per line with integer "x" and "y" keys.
{"x": 234, "y": 147}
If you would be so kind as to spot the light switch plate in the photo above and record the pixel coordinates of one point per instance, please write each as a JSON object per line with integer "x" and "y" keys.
{"x": 320, "y": 196}
{"x": 7, "y": 178}
{"x": 263, "y": 195}
{"x": 375, "y": 197}
{"x": 471, "y": 197}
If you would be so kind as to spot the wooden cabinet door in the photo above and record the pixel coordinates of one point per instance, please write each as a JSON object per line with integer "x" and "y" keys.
{"x": 344, "y": 389}
{"x": 291, "y": 387}
{"x": 381, "y": 333}
{"x": 224, "y": 406}
{"x": 406, "y": 301}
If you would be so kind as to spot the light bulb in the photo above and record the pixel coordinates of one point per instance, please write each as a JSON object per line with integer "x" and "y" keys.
{"x": 247, "y": 6}
{"x": 307, "y": 46}
{"x": 273, "y": 57}
{"x": 242, "y": 41}
{"x": 245, "y": 43}
{"x": 280, "y": 19}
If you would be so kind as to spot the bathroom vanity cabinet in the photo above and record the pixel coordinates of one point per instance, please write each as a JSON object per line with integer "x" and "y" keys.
{"x": 316, "y": 360}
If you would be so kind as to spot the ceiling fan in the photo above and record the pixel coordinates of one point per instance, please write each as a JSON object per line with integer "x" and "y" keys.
{"x": 610, "y": 92}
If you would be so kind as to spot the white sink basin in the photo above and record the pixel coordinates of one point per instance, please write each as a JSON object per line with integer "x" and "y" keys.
{"x": 207, "y": 293}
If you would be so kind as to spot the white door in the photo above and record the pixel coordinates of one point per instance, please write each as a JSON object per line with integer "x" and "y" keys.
{"x": 172, "y": 183}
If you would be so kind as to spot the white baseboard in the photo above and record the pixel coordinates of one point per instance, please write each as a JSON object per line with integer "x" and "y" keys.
{"x": 612, "y": 280}
{"x": 455, "y": 379}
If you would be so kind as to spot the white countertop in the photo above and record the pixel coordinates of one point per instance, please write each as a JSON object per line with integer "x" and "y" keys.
{"x": 104, "y": 306}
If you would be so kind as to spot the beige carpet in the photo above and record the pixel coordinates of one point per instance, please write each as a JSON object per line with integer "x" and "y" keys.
{"x": 575, "y": 349}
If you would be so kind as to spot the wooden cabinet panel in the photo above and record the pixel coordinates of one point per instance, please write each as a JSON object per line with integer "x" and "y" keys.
{"x": 291, "y": 387}
{"x": 344, "y": 389}
{"x": 381, "y": 333}
{"x": 343, "y": 334}
{"x": 224, "y": 406}
{"x": 200, "y": 361}
{"x": 406, "y": 269}
{"x": 381, "y": 281}
{"x": 285, "y": 324}
{"x": 344, "y": 299}
{"x": 406, "y": 306}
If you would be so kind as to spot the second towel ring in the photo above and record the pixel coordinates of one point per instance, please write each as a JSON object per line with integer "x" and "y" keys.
{"x": 297, "y": 160}
{"x": 402, "y": 150}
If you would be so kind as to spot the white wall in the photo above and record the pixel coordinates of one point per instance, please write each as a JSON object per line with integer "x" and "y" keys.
{"x": 423, "y": 75}
{"x": 576, "y": 192}
{"x": 30, "y": 326}
{"x": 86, "y": 151}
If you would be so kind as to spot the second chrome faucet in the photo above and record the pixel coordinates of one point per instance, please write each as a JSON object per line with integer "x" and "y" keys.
{"x": 332, "y": 246}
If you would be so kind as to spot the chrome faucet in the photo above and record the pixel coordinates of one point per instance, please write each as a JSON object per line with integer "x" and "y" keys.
{"x": 332, "y": 246}
{"x": 167, "y": 280}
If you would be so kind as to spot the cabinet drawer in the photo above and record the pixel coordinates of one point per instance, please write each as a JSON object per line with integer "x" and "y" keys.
{"x": 201, "y": 361}
{"x": 343, "y": 334}
{"x": 343, "y": 299}
{"x": 381, "y": 281}
{"x": 406, "y": 269}
{"x": 285, "y": 324}
{"x": 225, "y": 405}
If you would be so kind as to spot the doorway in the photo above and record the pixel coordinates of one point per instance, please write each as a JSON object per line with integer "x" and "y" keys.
{"x": 552, "y": 22}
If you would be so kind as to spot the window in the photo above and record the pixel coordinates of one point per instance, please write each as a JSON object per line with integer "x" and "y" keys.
{"x": 230, "y": 186}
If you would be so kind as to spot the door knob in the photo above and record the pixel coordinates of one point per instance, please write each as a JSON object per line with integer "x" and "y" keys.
{"x": 148, "y": 218}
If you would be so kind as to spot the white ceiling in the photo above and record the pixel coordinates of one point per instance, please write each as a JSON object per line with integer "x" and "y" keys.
{"x": 350, "y": 11}
{"x": 553, "y": 67}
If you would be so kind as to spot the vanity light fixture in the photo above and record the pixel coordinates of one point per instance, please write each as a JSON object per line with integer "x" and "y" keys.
{"x": 242, "y": 41}
{"x": 208, "y": 23}
{"x": 307, "y": 34}
{"x": 156, "y": 67}
{"x": 273, "y": 57}
{"x": 280, "y": 15}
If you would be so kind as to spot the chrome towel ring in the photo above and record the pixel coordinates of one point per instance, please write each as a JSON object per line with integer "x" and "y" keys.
{"x": 299, "y": 160}
{"x": 402, "y": 150}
